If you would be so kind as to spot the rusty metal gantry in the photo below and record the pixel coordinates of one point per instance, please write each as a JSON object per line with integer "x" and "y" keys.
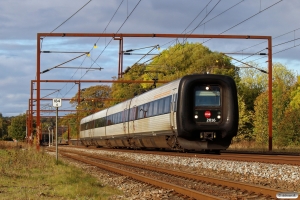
{"x": 121, "y": 36}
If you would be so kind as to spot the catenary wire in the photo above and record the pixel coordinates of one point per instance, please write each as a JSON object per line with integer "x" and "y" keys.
{"x": 65, "y": 21}
{"x": 108, "y": 42}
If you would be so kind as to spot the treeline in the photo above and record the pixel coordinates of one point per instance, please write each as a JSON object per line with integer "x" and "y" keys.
{"x": 13, "y": 127}
{"x": 192, "y": 58}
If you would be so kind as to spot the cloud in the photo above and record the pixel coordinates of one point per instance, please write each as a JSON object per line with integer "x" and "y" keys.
{"x": 20, "y": 21}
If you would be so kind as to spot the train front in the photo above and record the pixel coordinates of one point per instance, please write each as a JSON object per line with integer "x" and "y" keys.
{"x": 207, "y": 112}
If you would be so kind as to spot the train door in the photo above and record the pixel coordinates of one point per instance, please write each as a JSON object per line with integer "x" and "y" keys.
{"x": 125, "y": 118}
{"x": 91, "y": 128}
{"x": 132, "y": 118}
{"x": 173, "y": 109}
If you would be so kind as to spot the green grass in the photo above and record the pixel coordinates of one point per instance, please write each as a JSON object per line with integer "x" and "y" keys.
{"x": 252, "y": 146}
{"x": 29, "y": 174}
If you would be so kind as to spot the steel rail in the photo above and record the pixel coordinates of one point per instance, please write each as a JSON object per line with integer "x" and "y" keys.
{"x": 230, "y": 184}
{"x": 155, "y": 182}
{"x": 276, "y": 159}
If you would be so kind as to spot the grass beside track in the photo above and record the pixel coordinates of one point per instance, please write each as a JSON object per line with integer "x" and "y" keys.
{"x": 253, "y": 147}
{"x": 29, "y": 174}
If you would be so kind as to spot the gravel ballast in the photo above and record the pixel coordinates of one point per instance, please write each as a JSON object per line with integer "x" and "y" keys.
{"x": 282, "y": 177}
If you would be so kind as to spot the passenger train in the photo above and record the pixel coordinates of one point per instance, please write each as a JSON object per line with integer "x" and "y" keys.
{"x": 193, "y": 113}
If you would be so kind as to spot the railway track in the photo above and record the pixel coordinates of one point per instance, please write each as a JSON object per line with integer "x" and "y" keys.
{"x": 183, "y": 183}
{"x": 290, "y": 159}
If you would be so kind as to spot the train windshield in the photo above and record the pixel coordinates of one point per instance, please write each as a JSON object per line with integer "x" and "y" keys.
{"x": 207, "y": 96}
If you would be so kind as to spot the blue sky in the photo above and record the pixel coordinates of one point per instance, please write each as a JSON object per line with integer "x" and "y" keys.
{"x": 20, "y": 21}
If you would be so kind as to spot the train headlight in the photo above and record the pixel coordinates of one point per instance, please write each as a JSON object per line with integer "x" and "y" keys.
{"x": 219, "y": 116}
{"x": 196, "y": 116}
{"x": 207, "y": 87}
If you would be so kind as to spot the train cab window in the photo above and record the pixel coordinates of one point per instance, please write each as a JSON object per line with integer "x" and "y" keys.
{"x": 207, "y": 96}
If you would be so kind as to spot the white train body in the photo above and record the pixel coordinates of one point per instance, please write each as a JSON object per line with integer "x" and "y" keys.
{"x": 148, "y": 121}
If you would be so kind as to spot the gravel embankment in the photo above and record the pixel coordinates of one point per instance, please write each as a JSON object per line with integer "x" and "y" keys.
{"x": 284, "y": 177}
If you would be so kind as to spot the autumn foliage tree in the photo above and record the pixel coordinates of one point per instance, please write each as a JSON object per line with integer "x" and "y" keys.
{"x": 283, "y": 83}
{"x": 91, "y": 100}
{"x": 17, "y": 129}
{"x": 171, "y": 64}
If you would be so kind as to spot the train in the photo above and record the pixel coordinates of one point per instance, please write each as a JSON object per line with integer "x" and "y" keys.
{"x": 194, "y": 113}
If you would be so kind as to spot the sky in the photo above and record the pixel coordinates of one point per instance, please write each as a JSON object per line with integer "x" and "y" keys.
{"x": 20, "y": 21}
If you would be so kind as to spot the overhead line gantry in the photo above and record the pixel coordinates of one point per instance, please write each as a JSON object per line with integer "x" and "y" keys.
{"x": 121, "y": 36}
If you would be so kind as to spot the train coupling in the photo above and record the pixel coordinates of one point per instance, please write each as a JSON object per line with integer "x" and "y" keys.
{"x": 208, "y": 135}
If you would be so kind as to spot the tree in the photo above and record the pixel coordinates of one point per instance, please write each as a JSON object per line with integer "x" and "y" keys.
{"x": 71, "y": 120}
{"x": 171, "y": 64}
{"x": 295, "y": 95}
{"x": 245, "y": 130}
{"x": 17, "y": 129}
{"x": 92, "y": 99}
{"x": 283, "y": 81}
{"x": 4, "y": 123}
{"x": 1, "y": 126}
{"x": 289, "y": 126}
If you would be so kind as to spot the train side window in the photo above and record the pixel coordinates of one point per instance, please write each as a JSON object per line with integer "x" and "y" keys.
{"x": 108, "y": 120}
{"x": 167, "y": 104}
{"x": 120, "y": 117}
{"x": 161, "y": 106}
{"x": 155, "y": 107}
{"x": 146, "y": 107}
{"x": 99, "y": 122}
{"x": 90, "y": 125}
{"x": 140, "y": 111}
{"x": 175, "y": 102}
{"x": 103, "y": 121}
{"x": 132, "y": 113}
{"x": 126, "y": 115}
{"x": 135, "y": 113}
{"x": 96, "y": 123}
{"x": 93, "y": 124}
{"x": 150, "y": 109}
{"x": 116, "y": 118}
{"x": 112, "y": 119}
